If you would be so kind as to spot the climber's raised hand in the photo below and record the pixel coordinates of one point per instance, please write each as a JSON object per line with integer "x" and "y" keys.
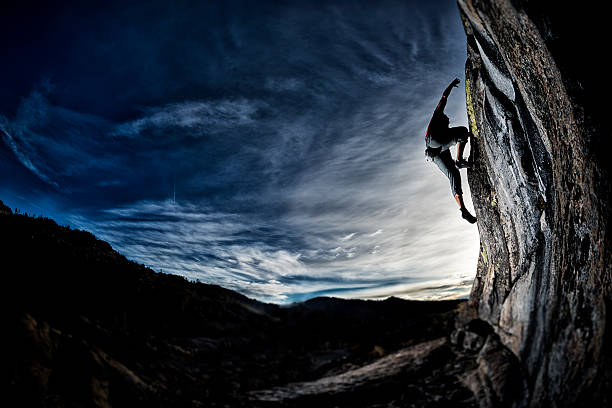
{"x": 449, "y": 88}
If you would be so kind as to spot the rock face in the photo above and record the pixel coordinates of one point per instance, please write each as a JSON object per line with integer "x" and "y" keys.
{"x": 541, "y": 192}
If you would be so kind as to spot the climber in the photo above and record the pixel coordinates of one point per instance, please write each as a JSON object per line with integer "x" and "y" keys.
{"x": 438, "y": 140}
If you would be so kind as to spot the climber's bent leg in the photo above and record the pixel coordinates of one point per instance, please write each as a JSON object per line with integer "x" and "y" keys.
{"x": 445, "y": 163}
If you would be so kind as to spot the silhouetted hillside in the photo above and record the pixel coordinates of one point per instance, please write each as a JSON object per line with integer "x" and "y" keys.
{"x": 87, "y": 327}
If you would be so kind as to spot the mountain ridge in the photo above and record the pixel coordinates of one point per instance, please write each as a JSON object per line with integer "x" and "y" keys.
{"x": 87, "y": 327}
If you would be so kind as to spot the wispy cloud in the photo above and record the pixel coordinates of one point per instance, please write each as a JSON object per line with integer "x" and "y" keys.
{"x": 201, "y": 243}
{"x": 200, "y": 118}
{"x": 22, "y": 153}
{"x": 54, "y": 142}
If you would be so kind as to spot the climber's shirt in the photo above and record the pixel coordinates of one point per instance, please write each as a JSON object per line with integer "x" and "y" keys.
{"x": 435, "y": 136}
{"x": 438, "y": 124}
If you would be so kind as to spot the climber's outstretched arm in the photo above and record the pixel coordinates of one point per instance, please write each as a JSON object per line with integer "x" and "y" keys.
{"x": 449, "y": 88}
{"x": 447, "y": 91}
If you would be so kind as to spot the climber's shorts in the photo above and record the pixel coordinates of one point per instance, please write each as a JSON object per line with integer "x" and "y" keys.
{"x": 449, "y": 137}
{"x": 446, "y": 164}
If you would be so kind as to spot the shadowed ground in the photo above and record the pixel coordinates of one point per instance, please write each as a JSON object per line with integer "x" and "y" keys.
{"x": 87, "y": 327}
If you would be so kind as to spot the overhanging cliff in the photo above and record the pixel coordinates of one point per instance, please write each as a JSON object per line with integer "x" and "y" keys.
{"x": 541, "y": 191}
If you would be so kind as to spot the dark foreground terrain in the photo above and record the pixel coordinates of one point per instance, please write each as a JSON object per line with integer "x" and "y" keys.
{"x": 87, "y": 327}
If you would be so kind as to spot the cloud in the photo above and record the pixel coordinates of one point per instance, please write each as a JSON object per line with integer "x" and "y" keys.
{"x": 286, "y": 84}
{"x": 71, "y": 150}
{"x": 21, "y": 153}
{"x": 200, "y": 243}
{"x": 54, "y": 142}
{"x": 200, "y": 118}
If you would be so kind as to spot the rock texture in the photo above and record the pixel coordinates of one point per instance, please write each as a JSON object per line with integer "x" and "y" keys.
{"x": 541, "y": 192}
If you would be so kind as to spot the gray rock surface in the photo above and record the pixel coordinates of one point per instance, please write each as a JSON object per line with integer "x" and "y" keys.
{"x": 541, "y": 191}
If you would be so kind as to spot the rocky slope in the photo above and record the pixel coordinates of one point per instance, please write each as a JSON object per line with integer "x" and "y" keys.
{"x": 85, "y": 327}
{"x": 541, "y": 192}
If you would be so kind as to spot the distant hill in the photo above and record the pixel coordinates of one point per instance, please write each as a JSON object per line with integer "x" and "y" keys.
{"x": 88, "y": 327}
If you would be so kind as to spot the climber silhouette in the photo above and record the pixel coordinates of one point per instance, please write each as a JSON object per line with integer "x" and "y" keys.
{"x": 439, "y": 139}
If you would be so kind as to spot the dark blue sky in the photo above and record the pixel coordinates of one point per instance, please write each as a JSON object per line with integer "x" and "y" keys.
{"x": 290, "y": 133}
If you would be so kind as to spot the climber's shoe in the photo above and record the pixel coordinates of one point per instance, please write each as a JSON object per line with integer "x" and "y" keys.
{"x": 465, "y": 214}
{"x": 463, "y": 164}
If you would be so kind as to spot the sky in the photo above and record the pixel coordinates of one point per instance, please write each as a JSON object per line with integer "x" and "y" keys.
{"x": 271, "y": 147}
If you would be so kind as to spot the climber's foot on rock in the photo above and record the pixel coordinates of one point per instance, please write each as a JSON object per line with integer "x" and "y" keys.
{"x": 465, "y": 214}
{"x": 463, "y": 164}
